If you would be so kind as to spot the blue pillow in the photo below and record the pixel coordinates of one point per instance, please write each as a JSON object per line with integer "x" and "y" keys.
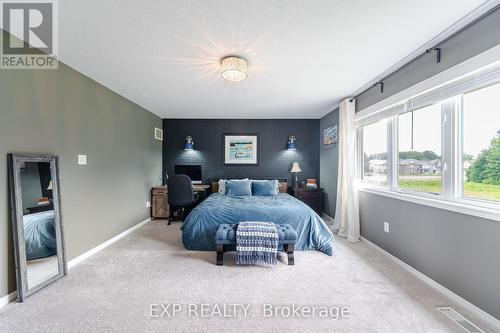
{"x": 239, "y": 188}
{"x": 265, "y": 187}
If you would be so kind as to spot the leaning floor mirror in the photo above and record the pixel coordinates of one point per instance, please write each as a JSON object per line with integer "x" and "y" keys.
{"x": 36, "y": 218}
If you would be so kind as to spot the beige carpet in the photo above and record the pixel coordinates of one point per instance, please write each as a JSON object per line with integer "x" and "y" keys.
{"x": 114, "y": 289}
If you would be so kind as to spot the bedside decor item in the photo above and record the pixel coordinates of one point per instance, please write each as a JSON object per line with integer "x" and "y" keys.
{"x": 241, "y": 149}
{"x": 296, "y": 169}
{"x": 330, "y": 135}
{"x": 291, "y": 143}
{"x": 234, "y": 68}
{"x": 189, "y": 145}
{"x": 311, "y": 183}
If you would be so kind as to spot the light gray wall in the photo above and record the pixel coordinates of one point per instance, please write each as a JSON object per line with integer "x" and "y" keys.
{"x": 458, "y": 251}
{"x": 328, "y": 159}
{"x": 65, "y": 113}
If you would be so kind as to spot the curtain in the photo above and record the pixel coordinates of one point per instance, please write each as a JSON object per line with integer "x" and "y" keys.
{"x": 347, "y": 208}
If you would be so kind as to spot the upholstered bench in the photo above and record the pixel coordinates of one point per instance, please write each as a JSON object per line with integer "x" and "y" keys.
{"x": 226, "y": 236}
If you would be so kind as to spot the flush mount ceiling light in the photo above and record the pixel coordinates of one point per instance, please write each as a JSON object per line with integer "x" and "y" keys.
{"x": 234, "y": 68}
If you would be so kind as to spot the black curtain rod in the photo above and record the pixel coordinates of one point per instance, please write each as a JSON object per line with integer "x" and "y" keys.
{"x": 434, "y": 48}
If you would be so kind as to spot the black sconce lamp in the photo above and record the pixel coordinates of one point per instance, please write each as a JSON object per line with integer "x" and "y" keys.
{"x": 189, "y": 143}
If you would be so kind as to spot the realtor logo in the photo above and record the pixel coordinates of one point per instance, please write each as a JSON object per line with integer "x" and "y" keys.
{"x": 29, "y": 37}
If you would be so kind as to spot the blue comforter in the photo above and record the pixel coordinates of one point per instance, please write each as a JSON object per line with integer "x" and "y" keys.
{"x": 40, "y": 235}
{"x": 198, "y": 231}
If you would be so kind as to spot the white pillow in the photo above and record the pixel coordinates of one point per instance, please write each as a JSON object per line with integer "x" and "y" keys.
{"x": 222, "y": 186}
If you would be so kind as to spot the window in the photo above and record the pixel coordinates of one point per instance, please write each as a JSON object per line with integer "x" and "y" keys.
{"x": 439, "y": 148}
{"x": 481, "y": 144}
{"x": 419, "y": 151}
{"x": 375, "y": 153}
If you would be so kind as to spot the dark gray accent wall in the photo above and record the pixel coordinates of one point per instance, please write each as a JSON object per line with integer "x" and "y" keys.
{"x": 458, "y": 251}
{"x": 64, "y": 113}
{"x": 328, "y": 161}
{"x": 274, "y": 160}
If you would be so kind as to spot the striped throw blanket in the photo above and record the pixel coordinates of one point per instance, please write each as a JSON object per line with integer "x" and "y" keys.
{"x": 256, "y": 243}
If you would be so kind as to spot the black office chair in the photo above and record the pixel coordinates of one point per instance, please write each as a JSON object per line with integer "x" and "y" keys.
{"x": 180, "y": 194}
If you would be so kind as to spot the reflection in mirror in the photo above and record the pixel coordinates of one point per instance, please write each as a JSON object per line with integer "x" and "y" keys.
{"x": 38, "y": 222}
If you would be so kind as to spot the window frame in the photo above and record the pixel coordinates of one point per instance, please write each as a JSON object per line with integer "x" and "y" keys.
{"x": 361, "y": 157}
{"x": 452, "y": 180}
{"x": 395, "y": 135}
{"x": 459, "y": 150}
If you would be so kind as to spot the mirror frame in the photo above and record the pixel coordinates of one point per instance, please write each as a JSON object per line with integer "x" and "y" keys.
{"x": 16, "y": 213}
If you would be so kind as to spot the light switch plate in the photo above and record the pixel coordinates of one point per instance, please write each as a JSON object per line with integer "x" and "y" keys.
{"x": 386, "y": 227}
{"x": 82, "y": 159}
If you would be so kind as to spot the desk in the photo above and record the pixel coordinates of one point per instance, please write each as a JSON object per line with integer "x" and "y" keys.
{"x": 200, "y": 187}
{"x": 203, "y": 192}
{"x": 159, "y": 200}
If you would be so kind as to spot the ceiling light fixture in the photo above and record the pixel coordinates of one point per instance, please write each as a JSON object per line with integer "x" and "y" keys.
{"x": 234, "y": 68}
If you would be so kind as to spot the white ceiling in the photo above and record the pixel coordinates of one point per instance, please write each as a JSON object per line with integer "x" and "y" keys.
{"x": 304, "y": 56}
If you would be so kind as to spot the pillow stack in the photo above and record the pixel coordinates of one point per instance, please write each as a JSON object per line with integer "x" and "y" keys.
{"x": 247, "y": 187}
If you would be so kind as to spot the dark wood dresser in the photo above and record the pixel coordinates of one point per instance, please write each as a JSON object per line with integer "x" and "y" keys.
{"x": 311, "y": 197}
{"x": 159, "y": 203}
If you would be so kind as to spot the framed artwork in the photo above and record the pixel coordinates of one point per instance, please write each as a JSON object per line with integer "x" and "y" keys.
{"x": 241, "y": 149}
{"x": 330, "y": 135}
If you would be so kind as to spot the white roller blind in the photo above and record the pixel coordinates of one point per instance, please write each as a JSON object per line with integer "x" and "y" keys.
{"x": 473, "y": 81}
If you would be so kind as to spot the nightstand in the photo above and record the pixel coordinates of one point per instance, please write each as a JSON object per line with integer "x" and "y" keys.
{"x": 311, "y": 197}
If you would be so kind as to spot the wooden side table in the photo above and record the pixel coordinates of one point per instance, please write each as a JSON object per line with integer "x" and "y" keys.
{"x": 311, "y": 197}
{"x": 159, "y": 203}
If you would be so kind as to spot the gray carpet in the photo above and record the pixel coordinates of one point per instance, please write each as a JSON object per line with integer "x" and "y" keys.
{"x": 114, "y": 289}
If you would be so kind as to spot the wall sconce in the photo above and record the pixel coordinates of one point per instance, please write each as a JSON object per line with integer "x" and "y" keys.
{"x": 291, "y": 143}
{"x": 189, "y": 143}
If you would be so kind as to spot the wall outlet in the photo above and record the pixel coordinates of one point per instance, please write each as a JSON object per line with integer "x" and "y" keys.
{"x": 82, "y": 159}
{"x": 148, "y": 204}
{"x": 386, "y": 227}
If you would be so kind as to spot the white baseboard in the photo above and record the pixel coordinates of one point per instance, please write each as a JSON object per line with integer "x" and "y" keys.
{"x": 82, "y": 257}
{"x": 480, "y": 314}
{"x": 8, "y": 298}
{"x": 13, "y": 295}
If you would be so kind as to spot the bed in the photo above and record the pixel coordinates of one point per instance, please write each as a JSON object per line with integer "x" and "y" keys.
{"x": 198, "y": 231}
{"x": 39, "y": 235}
